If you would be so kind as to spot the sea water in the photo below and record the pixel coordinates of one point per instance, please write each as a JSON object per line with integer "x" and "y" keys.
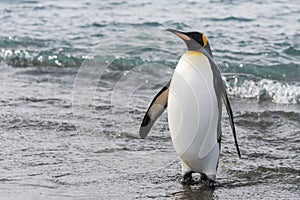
{"x": 77, "y": 77}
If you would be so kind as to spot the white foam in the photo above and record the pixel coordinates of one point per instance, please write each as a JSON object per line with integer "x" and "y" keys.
{"x": 276, "y": 91}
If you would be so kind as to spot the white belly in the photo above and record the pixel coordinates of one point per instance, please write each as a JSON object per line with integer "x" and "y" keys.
{"x": 193, "y": 113}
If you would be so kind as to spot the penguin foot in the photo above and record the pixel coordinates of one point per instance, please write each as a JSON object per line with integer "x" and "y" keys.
{"x": 203, "y": 177}
{"x": 210, "y": 180}
{"x": 187, "y": 179}
{"x": 212, "y": 184}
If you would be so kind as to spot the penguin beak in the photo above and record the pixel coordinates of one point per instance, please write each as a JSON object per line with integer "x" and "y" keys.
{"x": 182, "y": 35}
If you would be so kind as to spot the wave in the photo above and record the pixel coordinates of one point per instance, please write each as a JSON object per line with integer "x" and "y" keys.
{"x": 292, "y": 51}
{"x": 23, "y": 42}
{"x": 59, "y": 58}
{"x": 244, "y": 86}
{"x": 276, "y": 83}
{"x": 283, "y": 72}
{"x": 25, "y": 58}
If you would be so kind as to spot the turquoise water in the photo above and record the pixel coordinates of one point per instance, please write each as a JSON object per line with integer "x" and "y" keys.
{"x": 77, "y": 77}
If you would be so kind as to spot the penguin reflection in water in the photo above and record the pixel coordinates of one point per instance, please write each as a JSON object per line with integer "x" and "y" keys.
{"x": 194, "y": 100}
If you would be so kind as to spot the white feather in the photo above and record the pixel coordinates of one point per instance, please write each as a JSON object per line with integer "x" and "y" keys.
{"x": 193, "y": 113}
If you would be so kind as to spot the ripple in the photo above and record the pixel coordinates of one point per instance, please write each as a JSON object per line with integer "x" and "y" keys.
{"x": 292, "y": 51}
{"x": 231, "y": 18}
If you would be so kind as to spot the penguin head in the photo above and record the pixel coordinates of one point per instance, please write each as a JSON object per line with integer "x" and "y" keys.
{"x": 193, "y": 40}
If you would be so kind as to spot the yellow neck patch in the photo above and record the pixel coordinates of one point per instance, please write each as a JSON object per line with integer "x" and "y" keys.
{"x": 204, "y": 40}
{"x": 194, "y": 53}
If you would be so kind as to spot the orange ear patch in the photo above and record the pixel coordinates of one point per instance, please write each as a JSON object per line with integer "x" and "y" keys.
{"x": 204, "y": 40}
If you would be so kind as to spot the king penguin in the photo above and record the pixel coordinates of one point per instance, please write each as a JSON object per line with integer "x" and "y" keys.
{"x": 193, "y": 98}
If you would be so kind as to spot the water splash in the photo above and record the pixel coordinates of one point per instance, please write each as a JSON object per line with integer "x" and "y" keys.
{"x": 264, "y": 89}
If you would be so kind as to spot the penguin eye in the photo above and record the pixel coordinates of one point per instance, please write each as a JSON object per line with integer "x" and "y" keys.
{"x": 204, "y": 39}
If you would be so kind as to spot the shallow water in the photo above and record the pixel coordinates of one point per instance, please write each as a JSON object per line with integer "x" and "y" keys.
{"x": 77, "y": 78}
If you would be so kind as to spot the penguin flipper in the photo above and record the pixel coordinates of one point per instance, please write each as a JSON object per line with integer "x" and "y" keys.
{"x": 229, "y": 111}
{"x": 156, "y": 108}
